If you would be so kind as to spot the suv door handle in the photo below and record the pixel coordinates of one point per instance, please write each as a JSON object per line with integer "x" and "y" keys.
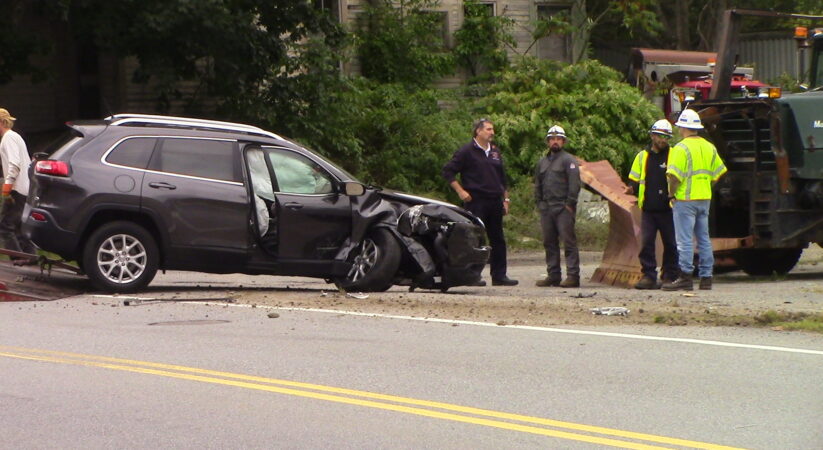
{"x": 162, "y": 185}
{"x": 293, "y": 205}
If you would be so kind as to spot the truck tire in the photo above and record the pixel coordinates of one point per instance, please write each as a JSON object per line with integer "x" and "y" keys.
{"x": 120, "y": 257}
{"x": 765, "y": 261}
{"x": 374, "y": 263}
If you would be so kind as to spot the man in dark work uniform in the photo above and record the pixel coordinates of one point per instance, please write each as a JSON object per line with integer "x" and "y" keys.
{"x": 483, "y": 191}
{"x": 556, "y": 187}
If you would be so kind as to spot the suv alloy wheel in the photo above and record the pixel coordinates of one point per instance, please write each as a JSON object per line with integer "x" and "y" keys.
{"x": 374, "y": 263}
{"x": 120, "y": 257}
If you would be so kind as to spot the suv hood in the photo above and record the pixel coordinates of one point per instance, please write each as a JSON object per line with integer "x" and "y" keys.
{"x": 410, "y": 200}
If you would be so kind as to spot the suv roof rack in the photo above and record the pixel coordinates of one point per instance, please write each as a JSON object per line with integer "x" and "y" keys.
{"x": 126, "y": 119}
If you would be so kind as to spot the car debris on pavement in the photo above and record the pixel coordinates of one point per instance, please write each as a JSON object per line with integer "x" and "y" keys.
{"x": 610, "y": 311}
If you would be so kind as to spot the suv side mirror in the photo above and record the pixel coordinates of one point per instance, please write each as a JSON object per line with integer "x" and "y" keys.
{"x": 353, "y": 189}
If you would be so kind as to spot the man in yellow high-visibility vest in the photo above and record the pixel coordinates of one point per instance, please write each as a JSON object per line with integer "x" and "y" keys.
{"x": 693, "y": 168}
{"x": 647, "y": 180}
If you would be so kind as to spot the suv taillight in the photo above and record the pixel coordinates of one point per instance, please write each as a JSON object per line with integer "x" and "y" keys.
{"x": 50, "y": 167}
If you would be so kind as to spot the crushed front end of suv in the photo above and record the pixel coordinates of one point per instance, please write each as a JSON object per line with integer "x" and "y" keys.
{"x": 132, "y": 194}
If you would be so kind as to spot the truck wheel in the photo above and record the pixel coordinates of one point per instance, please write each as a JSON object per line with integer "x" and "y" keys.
{"x": 120, "y": 257}
{"x": 374, "y": 263}
{"x": 766, "y": 261}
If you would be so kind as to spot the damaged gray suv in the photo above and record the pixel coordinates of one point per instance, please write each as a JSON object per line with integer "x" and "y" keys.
{"x": 132, "y": 194}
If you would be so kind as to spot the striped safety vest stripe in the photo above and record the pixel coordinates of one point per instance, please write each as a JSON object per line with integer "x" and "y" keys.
{"x": 696, "y": 178}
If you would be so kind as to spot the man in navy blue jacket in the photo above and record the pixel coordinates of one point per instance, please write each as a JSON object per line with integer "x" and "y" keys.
{"x": 483, "y": 191}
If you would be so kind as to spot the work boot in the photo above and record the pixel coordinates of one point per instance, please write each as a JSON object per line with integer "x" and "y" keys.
{"x": 548, "y": 282}
{"x": 683, "y": 283}
{"x": 706, "y": 283}
{"x": 570, "y": 281}
{"x": 647, "y": 282}
{"x": 504, "y": 281}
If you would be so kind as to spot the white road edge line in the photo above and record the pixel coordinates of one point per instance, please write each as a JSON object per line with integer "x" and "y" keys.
{"x": 530, "y": 328}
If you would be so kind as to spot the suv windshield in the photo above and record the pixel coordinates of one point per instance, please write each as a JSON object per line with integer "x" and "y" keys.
{"x": 343, "y": 171}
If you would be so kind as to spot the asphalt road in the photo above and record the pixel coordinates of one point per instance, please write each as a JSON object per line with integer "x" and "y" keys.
{"x": 89, "y": 372}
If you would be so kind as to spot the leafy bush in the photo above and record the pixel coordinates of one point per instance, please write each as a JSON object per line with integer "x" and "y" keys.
{"x": 480, "y": 42}
{"x": 604, "y": 117}
{"x": 402, "y": 43}
{"x": 408, "y": 136}
{"x": 387, "y": 134}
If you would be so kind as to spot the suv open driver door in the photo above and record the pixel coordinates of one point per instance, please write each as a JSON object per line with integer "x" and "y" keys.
{"x": 301, "y": 217}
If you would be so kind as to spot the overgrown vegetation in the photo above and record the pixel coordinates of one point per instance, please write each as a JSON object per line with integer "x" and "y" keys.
{"x": 604, "y": 117}
{"x": 275, "y": 63}
{"x": 480, "y": 44}
{"x": 402, "y": 42}
{"x": 791, "y": 321}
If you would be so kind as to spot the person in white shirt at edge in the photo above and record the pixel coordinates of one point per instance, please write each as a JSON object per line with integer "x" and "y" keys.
{"x": 16, "y": 162}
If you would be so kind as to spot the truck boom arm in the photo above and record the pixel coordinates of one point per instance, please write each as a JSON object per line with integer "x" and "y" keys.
{"x": 727, "y": 47}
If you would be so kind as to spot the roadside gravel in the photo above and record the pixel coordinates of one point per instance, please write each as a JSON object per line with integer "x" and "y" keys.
{"x": 737, "y": 299}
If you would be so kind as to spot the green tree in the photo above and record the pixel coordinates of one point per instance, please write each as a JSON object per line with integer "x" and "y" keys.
{"x": 20, "y": 45}
{"x": 604, "y": 117}
{"x": 401, "y": 42}
{"x": 685, "y": 25}
{"x": 232, "y": 48}
{"x": 480, "y": 44}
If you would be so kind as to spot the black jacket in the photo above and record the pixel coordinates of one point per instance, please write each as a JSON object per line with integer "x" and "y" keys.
{"x": 479, "y": 175}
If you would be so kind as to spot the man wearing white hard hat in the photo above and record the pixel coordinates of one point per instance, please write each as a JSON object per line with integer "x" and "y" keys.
{"x": 647, "y": 180}
{"x": 557, "y": 185}
{"x": 693, "y": 168}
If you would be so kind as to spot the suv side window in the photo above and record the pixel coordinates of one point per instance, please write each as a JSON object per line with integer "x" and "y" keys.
{"x": 297, "y": 174}
{"x": 204, "y": 158}
{"x": 134, "y": 152}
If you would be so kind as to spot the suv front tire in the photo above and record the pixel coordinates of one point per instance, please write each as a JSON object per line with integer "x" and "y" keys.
{"x": 120, "y": 257}
{"x": 374, "y": 263}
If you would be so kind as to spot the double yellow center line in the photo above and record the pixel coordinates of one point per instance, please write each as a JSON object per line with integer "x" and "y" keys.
{"x": 445, "y": 411}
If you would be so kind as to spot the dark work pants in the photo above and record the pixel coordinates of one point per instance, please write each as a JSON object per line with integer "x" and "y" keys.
{"x": 557, "y": 224}
{"x": 10, "y": 221}
{"x": 490, "y": 211}
{"x": 650, "y": 224}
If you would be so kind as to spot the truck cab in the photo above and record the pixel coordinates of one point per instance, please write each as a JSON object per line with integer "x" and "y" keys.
{"x": 673, "y": 79}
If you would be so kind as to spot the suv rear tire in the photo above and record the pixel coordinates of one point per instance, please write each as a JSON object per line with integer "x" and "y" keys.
{"x": 120, "y": 257}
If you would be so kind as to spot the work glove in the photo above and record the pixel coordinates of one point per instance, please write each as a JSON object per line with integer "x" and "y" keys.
{"x": 6, "y": 190}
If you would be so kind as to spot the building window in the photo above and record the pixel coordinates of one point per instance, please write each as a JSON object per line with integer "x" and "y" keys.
{"x": 489, "y": 6}
{"x": 441, "y": 19}
{"x": 332, "y": 6}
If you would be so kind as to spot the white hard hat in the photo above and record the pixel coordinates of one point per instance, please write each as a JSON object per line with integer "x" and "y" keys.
{"x": 556, "y": 131}
{"x": 689, "y": 119}
{"x": 663, "y": 127}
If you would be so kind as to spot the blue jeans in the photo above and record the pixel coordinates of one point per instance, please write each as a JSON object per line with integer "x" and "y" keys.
{"x": 691, "y": 223}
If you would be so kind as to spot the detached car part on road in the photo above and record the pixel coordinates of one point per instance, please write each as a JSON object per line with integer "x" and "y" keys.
{"x": 132, "y": 194}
